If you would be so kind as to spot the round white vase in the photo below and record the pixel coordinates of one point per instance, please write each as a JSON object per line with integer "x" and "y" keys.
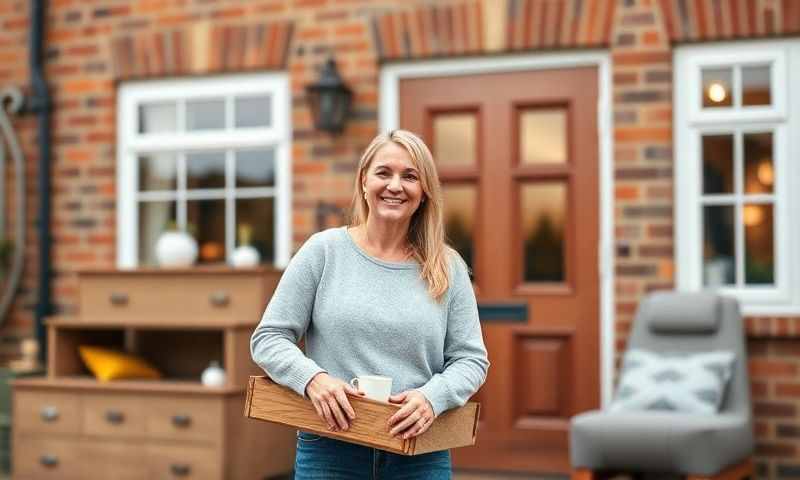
{"x": 245, "y": 256}
{"x": 213, "y": 375}
{"x": 176, "y": 249}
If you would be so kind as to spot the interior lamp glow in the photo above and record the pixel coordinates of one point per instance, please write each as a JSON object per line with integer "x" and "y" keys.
{"x": 765, "y": 173}
{"x": 753, "y": 215}
{"x": 717, "y": 92}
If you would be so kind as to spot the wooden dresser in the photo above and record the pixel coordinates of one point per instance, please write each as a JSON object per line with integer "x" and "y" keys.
{"x": 68, "y": 425}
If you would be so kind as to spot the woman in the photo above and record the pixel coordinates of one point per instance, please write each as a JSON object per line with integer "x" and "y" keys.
{"x": 384, "y": 296}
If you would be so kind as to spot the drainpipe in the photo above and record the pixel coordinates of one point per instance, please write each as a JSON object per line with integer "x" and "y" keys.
{"x": 41, "y": 105}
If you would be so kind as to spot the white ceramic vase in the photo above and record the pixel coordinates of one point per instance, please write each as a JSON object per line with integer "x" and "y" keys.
{"x": 245, "y": 256}
{"x": 176, "y": 249}
{"x": 213, "y": 375}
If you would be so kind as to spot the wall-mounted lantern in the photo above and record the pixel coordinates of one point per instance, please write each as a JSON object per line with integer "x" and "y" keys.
{"x": 329, "y": 99}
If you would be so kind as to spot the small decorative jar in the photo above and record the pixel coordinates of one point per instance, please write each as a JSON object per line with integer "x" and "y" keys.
{"x": 245, "y": 255}
{"x": 176, "y": 249}
{"x": 213, "y": 375}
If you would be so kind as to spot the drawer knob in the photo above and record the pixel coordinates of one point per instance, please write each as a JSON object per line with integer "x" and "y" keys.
{"x": 49, "y": 461}
{"x": 115, "y": 417}
{"x": 49, "y": 414}
{"x": 181, "y": 421}
{"x": 119, "y": 299}
{"x": 180, "y": 469}
{"x": 219, "y": 299}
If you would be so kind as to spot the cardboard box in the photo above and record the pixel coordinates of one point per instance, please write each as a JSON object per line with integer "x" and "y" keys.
{"x": 271, "y": 402}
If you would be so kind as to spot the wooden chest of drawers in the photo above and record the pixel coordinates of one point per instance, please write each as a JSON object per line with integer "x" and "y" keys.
{"x": 70, "y": 426}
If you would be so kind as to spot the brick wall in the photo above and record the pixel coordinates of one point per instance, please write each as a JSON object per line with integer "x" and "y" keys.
{"x": 93, "y": 45}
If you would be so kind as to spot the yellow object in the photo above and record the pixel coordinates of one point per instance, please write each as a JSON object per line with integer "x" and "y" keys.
{"x": 108, "y": 364}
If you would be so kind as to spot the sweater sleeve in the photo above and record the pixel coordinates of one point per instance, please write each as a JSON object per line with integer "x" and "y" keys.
{"x": 465, "y": 358}
{"x": 273, "y": 345}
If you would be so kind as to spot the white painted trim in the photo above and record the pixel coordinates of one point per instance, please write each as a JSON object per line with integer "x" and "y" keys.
{"x": 391, "y": 74}
{"x": 782, "y": 118}
{"x": 130, "y": 144}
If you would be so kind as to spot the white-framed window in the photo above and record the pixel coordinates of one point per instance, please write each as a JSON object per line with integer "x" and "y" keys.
{"x": 208, "y": 155}
{"x": 737, "y": 172}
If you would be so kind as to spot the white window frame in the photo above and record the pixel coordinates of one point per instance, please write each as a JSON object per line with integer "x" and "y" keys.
{"x": 691, "y": 121}
{"x": 130, "y": 144}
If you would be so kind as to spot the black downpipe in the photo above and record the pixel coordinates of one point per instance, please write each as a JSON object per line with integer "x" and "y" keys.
{"x": 41, "y": 104}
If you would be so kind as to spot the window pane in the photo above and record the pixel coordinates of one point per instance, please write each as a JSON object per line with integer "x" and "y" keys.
{"x": 255, "y": 168}
{"x": 717, "y": 87}
{"x": 205, "y": 114}
{"x": 758, "y": 164}
{"x": 717, "y": 164}
{"x": 158, "y": 117}
{"x": 759, "y": 266}
{"x": 205, "y": 170}
{"x": 206, "y": 221}
{"x": 460, "y": 202}
{"x": 543, "y": 223}
{"x": 154, "y": 218}
{"x": 253, "y": 111}
{"x": 157, "y": 171}
{"x": 719, "y": 265}
{"x": 454, "y": 139}
{"x": 255, "y": 217}
{"x": 755, "y": 86}
{"x": 543, "y": 136}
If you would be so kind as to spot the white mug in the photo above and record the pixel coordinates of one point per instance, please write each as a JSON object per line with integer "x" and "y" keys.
{"x": 375, "y": 387}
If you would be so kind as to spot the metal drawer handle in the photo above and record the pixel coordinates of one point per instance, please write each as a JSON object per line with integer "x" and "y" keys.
{"x": 49, "y": 414}
{"x": 182, "y": 421}
{"x": 180, "y": 469}
{"x": 219, "y": 299}
{"x": 115, "y": 416}
{"x": 49, "y": 461}
{"x": 119, "y": 299}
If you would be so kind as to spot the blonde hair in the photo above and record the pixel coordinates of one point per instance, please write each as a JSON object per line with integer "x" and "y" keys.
{"x": 426, "y": 230}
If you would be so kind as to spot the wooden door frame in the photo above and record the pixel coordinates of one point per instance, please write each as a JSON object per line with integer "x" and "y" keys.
{"x": 393, "y": 72}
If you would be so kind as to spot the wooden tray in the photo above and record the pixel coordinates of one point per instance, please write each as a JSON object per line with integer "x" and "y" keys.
{"x": 271, "y": 402}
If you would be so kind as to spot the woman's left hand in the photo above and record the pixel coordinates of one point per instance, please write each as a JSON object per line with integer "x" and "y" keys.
{"x": 414, "y": 418}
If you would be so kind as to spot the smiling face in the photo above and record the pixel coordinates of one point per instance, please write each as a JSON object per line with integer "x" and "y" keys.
{"x": 393, "y": 184}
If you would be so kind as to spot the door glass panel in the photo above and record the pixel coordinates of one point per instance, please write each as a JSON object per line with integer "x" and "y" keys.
{"x": 543, "y": 135}
{"x": 543, "y": 208}
{"x": 253, "y": 111}
{"x": 154, "y": 218}
{"x": 755, "y": 85}
{"x": 719, "y": 261}
{"x": 460, "y": 202}
{"x": 206, "y": 222}
{"x": 255, "y": 168}
{"x": 455, "y": 139}
{"x": 717, "y": 164}
{"x": 758, "y": 165}
{"x": 759, "y": 257}
{"x": 157, "y": 171}
{"x": 255, "y": 219}
{"x": 158, "y": 117}
{"x": 205, "y": 114}
{"x": 205, "y": 170}
{"x": 717, "y": 87}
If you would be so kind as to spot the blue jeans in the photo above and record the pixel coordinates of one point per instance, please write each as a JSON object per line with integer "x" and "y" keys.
{"x": 325, "y": 458}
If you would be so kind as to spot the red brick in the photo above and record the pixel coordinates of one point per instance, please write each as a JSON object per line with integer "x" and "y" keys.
{"x": 772, "y": 368}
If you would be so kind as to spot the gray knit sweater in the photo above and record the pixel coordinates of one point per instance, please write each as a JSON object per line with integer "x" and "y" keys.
{"x": 364, "y": 316}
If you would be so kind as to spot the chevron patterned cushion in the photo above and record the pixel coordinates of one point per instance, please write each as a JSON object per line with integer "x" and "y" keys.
{"x": 681, "y": 382}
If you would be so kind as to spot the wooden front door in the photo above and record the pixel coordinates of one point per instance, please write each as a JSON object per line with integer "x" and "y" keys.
{"x": 518, "y": 158}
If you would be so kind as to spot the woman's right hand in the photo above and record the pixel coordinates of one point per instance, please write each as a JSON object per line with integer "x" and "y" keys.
{"x": 328, "y": 394}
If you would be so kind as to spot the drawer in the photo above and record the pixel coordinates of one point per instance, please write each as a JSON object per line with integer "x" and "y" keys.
{"x": 113, "y": 415}
{"x": 46, "y": 412}
{"x": 185, "y": 418}
{"x": 182, "y": 462}
{"x": 42, "y": 457}
{"x": 181, "y": 299}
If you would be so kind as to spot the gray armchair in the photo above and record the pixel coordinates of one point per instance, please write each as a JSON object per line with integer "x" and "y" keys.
{"x": 698, "y": 446}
